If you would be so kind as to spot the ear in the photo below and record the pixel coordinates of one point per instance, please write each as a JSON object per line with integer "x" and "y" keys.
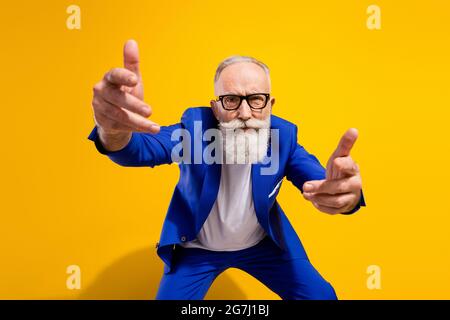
{"x": 213, "y": 104}
{"x": 272, "y": 101}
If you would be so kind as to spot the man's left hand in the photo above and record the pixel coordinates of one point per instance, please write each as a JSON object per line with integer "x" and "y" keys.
{"x": 340, "y": 192}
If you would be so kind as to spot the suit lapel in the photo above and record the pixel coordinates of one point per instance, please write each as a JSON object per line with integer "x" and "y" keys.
{"x": 209, "y": 192}
{"x": 259, "y": 193}
{"x": 211, "y": 180}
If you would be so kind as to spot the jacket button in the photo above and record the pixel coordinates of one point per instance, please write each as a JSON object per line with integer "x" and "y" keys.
{"x": 183, "y": 239}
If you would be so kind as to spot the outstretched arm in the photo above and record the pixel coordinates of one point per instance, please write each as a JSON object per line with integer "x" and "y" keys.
{"x": 143, "y": 149}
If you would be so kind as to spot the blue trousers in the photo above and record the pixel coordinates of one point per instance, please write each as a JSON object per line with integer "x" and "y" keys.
{"x": 194, "y": 270}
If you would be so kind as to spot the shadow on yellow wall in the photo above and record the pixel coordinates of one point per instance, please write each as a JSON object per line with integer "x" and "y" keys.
{"x": 137, "y": 276}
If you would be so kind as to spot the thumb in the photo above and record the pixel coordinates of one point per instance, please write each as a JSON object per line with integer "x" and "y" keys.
{"x": 343, "y": 150}
{"x": 346, "y": 143}
{"x": 131, "y": 62}
{"x": 131, "y": 56}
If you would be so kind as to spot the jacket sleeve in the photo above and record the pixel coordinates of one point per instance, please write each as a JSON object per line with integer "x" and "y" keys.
{"x": 303, "y": 166}
{"x": 144, "y": 149}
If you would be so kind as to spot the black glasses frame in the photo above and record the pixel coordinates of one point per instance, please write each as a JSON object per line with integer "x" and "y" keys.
{"x": 267, "y": 95}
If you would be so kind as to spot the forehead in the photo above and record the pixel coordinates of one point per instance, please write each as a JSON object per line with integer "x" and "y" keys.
{"x": 242, "y": 78}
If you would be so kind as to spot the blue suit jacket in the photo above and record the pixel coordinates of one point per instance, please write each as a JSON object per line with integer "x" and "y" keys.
{"x": 198, "y": 185}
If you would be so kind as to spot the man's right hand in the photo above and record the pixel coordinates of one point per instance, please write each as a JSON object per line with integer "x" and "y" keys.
{"x": 118, "y": 103}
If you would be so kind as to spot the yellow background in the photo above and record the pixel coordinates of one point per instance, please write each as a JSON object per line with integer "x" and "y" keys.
{"x": 62, "y": 203}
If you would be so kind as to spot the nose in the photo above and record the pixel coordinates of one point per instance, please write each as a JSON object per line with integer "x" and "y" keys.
{"x": 245, "y": 112}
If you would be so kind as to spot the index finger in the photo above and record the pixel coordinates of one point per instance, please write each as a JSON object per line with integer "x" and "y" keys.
{"x": 121, "y": 76}
{"x": 333, "y": 186}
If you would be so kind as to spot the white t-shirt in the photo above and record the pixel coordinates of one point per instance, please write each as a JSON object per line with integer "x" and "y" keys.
{"x": 232, "y": 223}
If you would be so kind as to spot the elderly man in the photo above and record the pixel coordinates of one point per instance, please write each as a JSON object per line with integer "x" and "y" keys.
{"x": 224, "y": 214}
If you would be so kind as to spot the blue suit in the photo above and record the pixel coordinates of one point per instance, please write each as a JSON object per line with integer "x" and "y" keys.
{"x": 198, "y": 185}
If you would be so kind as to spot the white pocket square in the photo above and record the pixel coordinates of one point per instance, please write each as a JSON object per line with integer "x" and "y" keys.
{"x": 276, "y": 188}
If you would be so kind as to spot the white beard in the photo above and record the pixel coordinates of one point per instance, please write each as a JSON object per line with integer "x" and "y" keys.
{"x": 245, "y": 147}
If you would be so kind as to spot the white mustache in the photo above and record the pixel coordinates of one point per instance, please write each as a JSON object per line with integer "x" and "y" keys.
{"x": 250, "y": 123}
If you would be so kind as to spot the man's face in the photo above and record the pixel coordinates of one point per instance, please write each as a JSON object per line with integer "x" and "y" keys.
{"x": 245, "y": 130}
{"x": 242, "y": 78}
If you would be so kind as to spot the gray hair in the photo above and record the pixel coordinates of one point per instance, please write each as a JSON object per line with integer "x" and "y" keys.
{"x": 236, "y": 59}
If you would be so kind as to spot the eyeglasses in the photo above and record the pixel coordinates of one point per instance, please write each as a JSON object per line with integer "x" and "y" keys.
{"x": 256, "y": 101}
